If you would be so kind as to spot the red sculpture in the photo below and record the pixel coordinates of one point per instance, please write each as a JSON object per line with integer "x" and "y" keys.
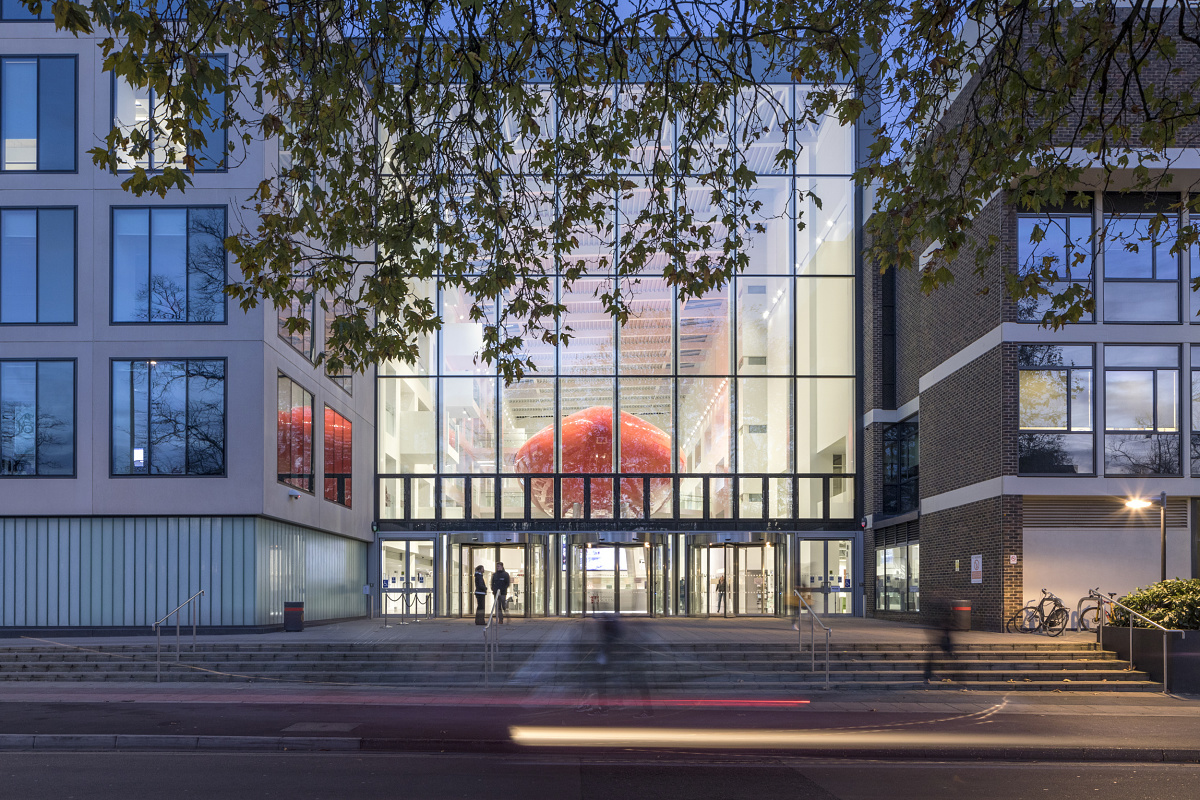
{"x": 587, "y": 445}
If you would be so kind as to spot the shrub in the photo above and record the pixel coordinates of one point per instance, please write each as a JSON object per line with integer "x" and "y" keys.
{"x": 1174, "y": 604}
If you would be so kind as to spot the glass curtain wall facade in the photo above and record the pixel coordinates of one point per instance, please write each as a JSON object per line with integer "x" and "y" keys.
{"x": 732, "y": 411}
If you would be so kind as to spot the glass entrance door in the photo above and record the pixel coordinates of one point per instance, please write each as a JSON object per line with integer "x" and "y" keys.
{"x": 733, "y": 580}
{"x": 488, "y": 556}
{"x": 406, "y": 581}
{"x": 823, "y": 574}
{"x": 611, "y": 579}
{"x": 754, "y": 585}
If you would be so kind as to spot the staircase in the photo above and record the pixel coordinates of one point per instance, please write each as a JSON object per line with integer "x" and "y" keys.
{"x": 700, "y": 667}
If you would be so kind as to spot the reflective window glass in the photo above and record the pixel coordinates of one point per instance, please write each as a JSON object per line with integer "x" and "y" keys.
{"x": 168, "y": 417}
{"x": 1141, "y": 411}
{"x": 139, "y": 112}
{"x": 339, "y": 458}
{"x": 295, "y": 435}
{"x": 1141, "y": 273}
{"x": 37, "y": 418}
{"x": 1060, "y": 243}
{"x": 37, "y": 114}
{"x": 16, "y": 11}
{"x": 1055, "y": 396}
{"x": 168, "y": 265}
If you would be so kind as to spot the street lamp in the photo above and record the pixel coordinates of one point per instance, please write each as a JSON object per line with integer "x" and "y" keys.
{"x": 1138, "y": 503}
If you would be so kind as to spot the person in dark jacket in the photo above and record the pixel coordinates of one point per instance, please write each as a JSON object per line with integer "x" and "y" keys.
{"x": 500, "y": 584}
{"x": 480, "y": 594}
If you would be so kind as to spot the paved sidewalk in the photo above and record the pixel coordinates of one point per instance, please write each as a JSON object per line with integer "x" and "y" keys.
{"x": 536, "y": 631}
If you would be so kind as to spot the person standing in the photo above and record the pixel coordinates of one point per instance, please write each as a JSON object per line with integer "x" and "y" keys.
{"x": 500, "y": 584}
{"x": 480, "y": 594}
{"x": 720, "y": 594}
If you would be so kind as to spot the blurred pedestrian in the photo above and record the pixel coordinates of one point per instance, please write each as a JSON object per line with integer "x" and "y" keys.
{"x": 480, "y": 594}
{"x": 940, "y": 621}
{"x": 720, "y": 593}
{"x": 616, "y": 667}
{"x": 500, "y": 583}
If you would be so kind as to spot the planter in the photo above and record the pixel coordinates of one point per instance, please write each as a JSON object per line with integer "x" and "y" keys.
{"x": 1183, "y": 655}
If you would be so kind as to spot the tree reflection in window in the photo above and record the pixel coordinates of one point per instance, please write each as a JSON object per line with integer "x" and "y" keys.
{"x": 168, "y": 417}
{"x": 168, "y": 265}
{"x": 37, "y": 418}
{"x": 1055, "y": 385}
{"x": 1141, "y": 402}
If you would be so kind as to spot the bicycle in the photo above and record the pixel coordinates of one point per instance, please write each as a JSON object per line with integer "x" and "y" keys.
{"x": 1047, "y": 615}
{"x": 1087, "y": 611}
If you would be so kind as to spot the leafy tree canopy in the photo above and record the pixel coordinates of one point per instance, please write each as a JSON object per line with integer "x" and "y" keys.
{"x": 431, "y": 138}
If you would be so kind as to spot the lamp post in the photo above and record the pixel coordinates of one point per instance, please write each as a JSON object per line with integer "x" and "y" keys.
{"x": 1137, "y": 502}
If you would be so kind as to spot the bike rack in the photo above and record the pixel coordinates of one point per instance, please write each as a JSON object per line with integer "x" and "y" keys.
{"x": 1114, "y": 602}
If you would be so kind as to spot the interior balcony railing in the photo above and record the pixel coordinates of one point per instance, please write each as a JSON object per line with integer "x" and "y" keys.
{"x": 586, "y": 500}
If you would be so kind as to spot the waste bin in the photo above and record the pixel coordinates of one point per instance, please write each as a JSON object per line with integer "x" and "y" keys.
{"x": 293, "y": 616}
{"x": 960, "y": 614}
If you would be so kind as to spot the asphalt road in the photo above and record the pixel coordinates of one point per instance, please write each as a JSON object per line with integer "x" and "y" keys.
{"x": 521, "y": 728}
{"x": 233, "y": 776}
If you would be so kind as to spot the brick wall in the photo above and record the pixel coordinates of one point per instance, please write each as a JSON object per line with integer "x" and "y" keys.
{"x": 991, "y": 528}
{"x": 968, "y": 424}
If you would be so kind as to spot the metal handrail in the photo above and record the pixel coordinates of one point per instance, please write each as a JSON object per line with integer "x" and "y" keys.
{"x": 813, "y": 622}
{"x": 157, "y": 626}
{"x": 1095, "y": 593}
{"x": 491, "y": 639}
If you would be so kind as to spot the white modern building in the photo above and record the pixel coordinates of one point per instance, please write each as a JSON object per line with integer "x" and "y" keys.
{"x": 140, "y": 410}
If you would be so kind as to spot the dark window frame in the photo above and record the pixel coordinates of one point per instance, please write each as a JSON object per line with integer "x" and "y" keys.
{"x": 904, "y": 428}
{"x": 346, "y": 489}
{"x": 311, "y": 487}
{"x": 1067, "y": 214}
{"x": 288, "y": 337}
{"x": 224, "y": 420}
{"x": 74, "y": 362}
{"x": 345, "y": 381}
{"x": 1156, "y": 432}
{"x": 1177, "y": 221}
{"x": 74, "y": 59}
{"x": 112, "y": 265}
{"x": 152, "y": 168}
{"x": 1070, "y": 411}
{"x": 74, "y": 267}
